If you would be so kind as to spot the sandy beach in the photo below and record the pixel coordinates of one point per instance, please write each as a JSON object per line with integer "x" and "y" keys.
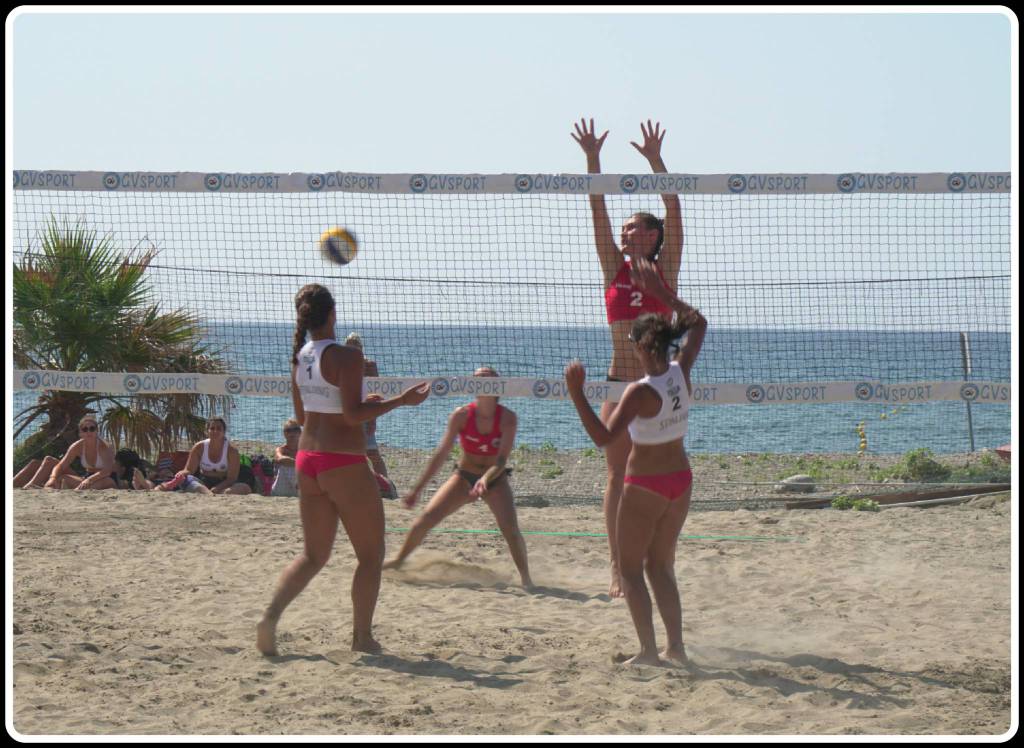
{"x": 135, "y": 613}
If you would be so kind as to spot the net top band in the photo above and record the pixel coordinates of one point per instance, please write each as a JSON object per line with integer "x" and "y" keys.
{"x": 581, "y": 184}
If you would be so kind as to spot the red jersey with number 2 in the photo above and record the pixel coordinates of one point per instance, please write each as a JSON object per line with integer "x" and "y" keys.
{"x": 624, "y": 301}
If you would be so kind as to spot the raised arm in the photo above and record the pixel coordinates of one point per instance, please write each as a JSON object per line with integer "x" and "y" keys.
{"x": 645, "y": 274}
{"x": 627, "y": 409}
{"x": 456, "y": 422}
{"x": 671, "y": 255}
{"x": 697, "y": 327}
{"x": 607, "y": 251}
{"x": 509, "y": 422}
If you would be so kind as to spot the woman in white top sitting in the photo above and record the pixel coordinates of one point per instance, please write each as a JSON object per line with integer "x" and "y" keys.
{"x": 658, "y": 482}
{"x": 335, "y": 479}
{"x": 96, "y": 456}
{"x": 215, "y": 463}
{"x": 285, "y": 483}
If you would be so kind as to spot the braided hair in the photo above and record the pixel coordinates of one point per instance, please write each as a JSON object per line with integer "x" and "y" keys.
{"x": 653, "y": 222}
{"x": 313, "y": 305}
{"x": 654, "y": 334}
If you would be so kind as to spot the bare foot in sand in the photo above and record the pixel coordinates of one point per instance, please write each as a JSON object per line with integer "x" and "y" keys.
{"x": 366, "y": 644}
{"x": 615, "y": 588}
{"x": 676, "y": 655}
{"x": 266, "y": 637}
{"x": 392, "y": 564}
{"x": 650, "y": 658}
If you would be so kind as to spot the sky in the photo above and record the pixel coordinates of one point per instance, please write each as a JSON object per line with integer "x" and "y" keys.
{"x": 486, "y": 92}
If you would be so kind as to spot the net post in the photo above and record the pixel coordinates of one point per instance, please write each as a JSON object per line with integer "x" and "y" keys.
{"x": 965, "y": 360}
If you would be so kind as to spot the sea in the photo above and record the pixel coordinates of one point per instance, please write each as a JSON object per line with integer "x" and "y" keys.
{"x": 747, "y": 355}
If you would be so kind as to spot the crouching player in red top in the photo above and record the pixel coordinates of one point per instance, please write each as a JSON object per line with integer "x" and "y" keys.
{"x": 487, "y": 432}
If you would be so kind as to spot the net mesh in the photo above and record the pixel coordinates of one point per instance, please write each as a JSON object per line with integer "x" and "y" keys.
{"x": 796, "y": 287}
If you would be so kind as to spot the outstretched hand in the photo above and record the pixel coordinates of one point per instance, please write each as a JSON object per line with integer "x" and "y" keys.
{"x": 409, "y": 500}
{"x": 653, "y": 135}
{"x": 575, "y": 376}
{"x": 589, "y": 142}
{"x": 644, "y": 275}
{"x": 416, "y": 394}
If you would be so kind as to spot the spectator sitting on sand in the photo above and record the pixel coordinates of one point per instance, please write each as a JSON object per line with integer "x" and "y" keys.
{"x": 216, "y": 463}
{"x": 286, "y": 484}
{"x": 95, "y": 455}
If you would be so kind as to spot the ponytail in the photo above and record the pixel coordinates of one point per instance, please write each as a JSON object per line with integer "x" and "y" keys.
{"x": 299, "y": 341}
{"x": 313, "y": 306}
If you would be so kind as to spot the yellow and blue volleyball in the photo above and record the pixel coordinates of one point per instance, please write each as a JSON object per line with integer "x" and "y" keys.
{"x": 338, "y": 245}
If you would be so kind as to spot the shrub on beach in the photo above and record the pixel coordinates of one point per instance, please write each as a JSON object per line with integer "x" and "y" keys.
{"x": 989, "y": 469}
{"x": 857, "y": 505}
{"x": 865, "y": 505}
{"x": 920, "y": 466}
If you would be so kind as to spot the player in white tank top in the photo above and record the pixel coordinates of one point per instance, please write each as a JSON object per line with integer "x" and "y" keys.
{"x": 318, "y": 395}
{"x": 334, "y": 476}
{"x": 671, "y": 421}
{"x": 658, "y": 482}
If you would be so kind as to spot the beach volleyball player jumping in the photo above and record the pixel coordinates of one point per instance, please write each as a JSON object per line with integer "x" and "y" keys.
{"x": 335, "y": 480}
{"x": 654, "y": 411}
{"x": 642, "y": 236}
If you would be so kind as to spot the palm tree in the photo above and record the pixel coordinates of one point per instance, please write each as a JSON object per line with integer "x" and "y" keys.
{"x": 80, "y": 304}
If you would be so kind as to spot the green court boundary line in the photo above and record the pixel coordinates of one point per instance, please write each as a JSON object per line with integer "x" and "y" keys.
{"x": 605, "y": 535}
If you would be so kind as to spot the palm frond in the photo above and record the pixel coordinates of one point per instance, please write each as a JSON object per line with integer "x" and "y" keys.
{"x": 83, "y": 304}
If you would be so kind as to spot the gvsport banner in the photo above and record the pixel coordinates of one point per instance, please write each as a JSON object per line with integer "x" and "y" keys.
{"x": 758, "y": 393}
{"x": 435, "y": 184}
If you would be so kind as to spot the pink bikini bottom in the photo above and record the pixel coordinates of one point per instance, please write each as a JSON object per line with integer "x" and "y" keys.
{"x": 314, "y": 463}
{"x": 669, "y": 485}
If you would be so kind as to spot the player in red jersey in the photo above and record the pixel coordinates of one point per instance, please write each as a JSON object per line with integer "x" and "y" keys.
{"x": 487, "y": 432}
{"x": 642, "y": 236}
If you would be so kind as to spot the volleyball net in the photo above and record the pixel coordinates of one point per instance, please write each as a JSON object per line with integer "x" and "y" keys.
{"x": 857, "y": 293}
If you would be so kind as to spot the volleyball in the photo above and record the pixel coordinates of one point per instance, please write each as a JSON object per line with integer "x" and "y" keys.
{"x": 338, "y": 246}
